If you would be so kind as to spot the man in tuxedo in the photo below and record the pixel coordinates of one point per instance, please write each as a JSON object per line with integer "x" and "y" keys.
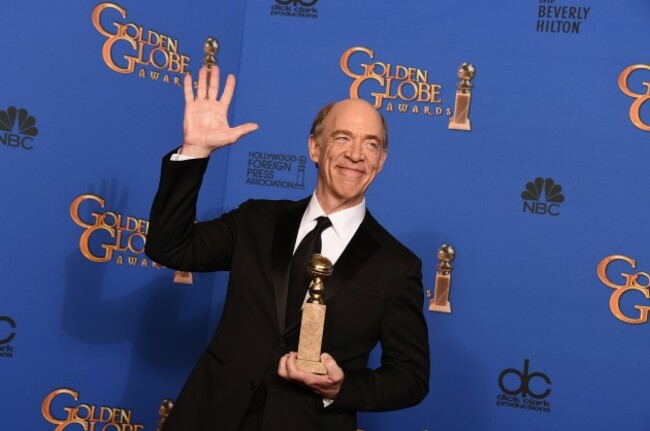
{"x": 248, "y": 379}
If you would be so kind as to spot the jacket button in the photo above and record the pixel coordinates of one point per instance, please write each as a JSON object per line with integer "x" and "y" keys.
{"x": 282, "y": 342}
{"x": 252, "y": 385}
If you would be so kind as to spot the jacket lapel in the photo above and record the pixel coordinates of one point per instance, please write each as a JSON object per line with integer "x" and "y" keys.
{"x": 284, "y": 239}
{"x": 357, "y": 253}
{"x": 355, "y": 256}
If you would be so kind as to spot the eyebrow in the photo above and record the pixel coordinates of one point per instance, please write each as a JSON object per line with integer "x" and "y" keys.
{"x": 348, "y": 133}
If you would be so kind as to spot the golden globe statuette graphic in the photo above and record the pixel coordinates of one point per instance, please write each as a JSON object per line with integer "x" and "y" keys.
{"x": 164, "y": 410}
{"x": 211, "y": 48}
{"x": 440, "y": 301}
{"x": 183, "y": 277}
{"x": 460, "y": 120}
{"x": 313, "y": 317}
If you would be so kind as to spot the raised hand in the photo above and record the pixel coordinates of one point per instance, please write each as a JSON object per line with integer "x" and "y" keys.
{"x": 205, "y": 124}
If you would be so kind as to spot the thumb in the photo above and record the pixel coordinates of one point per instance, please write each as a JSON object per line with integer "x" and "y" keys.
{"x": 333, "y": 370}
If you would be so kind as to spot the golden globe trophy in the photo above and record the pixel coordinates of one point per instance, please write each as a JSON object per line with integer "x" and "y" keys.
{"x": 210, "y": 48}
{"x": 164, "y": 410}
{"x": 440, "y": 301}
{"x": 460, "y": 120}
{"x": 313, "y": 317}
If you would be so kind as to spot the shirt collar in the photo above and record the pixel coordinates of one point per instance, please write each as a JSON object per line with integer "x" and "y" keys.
{"x": 345, "y": 222}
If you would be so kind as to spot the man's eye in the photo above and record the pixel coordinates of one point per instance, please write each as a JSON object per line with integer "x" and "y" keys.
{"x": 342, "y": 138}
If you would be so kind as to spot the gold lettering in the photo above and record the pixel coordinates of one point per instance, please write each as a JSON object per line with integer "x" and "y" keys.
{"x": 132, "y": 246}
{"x": 345, "y": 60}
{"x": 46, "y": 406}
{"x": 640, "y": 99}
{"x": 84, "y": 244}
{"x": 74, "y": 209}
{"x": 97, "y": 13}
{"x": 108, "y": 59}
{"x": 615, "y": 305}
{"x": 601, "y": 271}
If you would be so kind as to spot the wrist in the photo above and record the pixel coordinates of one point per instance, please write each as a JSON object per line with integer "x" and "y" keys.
{"x": 194, "y": 151}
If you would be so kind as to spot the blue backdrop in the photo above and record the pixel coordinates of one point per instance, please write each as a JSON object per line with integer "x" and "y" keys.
{"x": 547, "y": 187}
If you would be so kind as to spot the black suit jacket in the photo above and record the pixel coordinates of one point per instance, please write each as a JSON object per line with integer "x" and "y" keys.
{"x": 375, "y": 295}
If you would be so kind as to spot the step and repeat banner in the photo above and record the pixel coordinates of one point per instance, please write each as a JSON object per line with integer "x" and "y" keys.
{"x": 519, "y": 135}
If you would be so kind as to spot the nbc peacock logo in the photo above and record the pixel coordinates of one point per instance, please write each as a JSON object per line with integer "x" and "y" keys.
{"x": 17, "y": 128}
{"x": 542, "y": 196}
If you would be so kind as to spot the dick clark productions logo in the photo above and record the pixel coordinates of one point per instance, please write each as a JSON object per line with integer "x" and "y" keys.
{"x": 17, "y": 128}
{"x": 295, "y": 8}
{"x": 523, "y": 389}
{"x": 7, "y": 326}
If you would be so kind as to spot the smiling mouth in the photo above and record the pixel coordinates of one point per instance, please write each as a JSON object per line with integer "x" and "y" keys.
{"x": 352, "y": 170}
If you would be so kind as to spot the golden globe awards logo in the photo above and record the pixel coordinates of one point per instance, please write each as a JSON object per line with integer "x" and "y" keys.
{"x": 631, "y": 290}
{"x": 87, "y": 417}
{"x": 639, "y": 98}
{"x": 393, "y": 88}
{"x": 110, "y": 236}
{"x": 130, "y": 48}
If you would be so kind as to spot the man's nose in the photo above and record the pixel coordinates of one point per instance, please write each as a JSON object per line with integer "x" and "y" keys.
{"x": 356, "y": 151}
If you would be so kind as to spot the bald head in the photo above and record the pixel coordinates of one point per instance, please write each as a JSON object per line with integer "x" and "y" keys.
{"x": 318, "y": 124}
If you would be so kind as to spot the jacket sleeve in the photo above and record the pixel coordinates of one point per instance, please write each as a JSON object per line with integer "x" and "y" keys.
{"x": 174, "y": 239}
{"x": 402, "y": 380}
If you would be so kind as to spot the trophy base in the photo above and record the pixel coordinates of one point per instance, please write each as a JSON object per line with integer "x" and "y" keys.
{"x": 183, "y": 277}
{"x": 458, "y": 125}
{"x": 315, "y": 367}
{"x": 444, "y": 308}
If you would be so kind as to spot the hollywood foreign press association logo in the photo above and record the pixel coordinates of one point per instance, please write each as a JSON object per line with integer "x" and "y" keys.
{"x": 295, "y": 8}
{"x": 7, "y": 334}
{"x": 17, "y": 128}
{"x": 542, "y": 196}
{"x": 521, "y": 389}
{"x": 280, "y": 170}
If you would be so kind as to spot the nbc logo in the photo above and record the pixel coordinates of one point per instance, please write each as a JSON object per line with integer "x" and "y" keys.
{"x": 17, "y": 128}
{"x": 532, "y": 196}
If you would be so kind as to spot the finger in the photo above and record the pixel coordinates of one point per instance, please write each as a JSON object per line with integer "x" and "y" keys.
{"x": 228, "y": 90}
{"x": 187, "y": 88}
{"x": 243, "y": 129}
{"x": 203, "y": 78}
{"x": 292, "y": 367}
{"x": 213, "y": 85}
{"x": 282, "y": 367}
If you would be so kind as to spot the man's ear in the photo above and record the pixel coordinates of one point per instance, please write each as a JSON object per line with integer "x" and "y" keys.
{"x": 314, "y": 149}
{"x": 382, "y": 160}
